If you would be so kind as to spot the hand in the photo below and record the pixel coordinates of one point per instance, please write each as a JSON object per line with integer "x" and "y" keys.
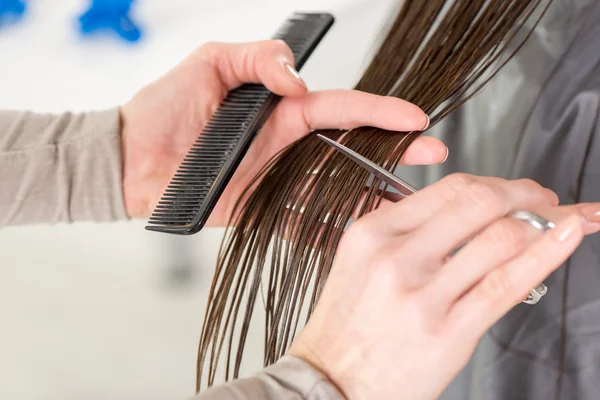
{"x": 163, "y": 120}
{"x": 398, "y": 318}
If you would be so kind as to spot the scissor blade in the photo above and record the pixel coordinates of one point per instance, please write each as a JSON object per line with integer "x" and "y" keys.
{"x": 380, "y": 172}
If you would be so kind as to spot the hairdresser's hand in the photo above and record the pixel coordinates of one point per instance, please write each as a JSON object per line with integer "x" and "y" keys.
{"x": 398, "y": 318}
{"x": 162, "y": 121}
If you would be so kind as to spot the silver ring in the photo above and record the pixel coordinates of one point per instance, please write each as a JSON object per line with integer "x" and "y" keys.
{"x": 534, "y": 220}
{"x": 543, "y": 225}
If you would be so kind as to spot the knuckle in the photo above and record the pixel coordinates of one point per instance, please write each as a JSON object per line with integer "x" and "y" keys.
{"x": 208, "y": 47}
{"x": 530, "y": 183}
{"x": 411, "y": 247}
{"x": 359, "y": 234}
{"x": 498, "y": 286}
{"x": 508, "y": 235}
{"x": 280, "y": 45}
{"x": 532, "y": 187}
{"x": 574, "y": 211}
{"x": 459, "y": 180}
{"x": 340, "y": 107}
{"x": 249, "y": 63}
{"x": 389, "y": 261}
{"x": 276, "y": 46}
{"x": 486, "y": 196}
{"x": 389, "y": 256}
{"x": 452, "y": 185}
{"x": 374, "y": 106}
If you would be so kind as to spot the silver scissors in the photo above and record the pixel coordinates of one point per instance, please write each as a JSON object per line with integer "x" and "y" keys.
{"x": 406, "y": 189}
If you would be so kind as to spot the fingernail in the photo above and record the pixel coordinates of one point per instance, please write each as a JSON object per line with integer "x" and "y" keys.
{"x": 564, "y": 231}
{"x": 552, "y": 196}
{"x": 427, "y": 122}
{"x": 591, "y": 213}
{"x": 447, "y": 154}
{"x": 292, "y": 71}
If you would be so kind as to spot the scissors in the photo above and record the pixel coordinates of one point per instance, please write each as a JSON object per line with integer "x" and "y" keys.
{"x": 406, "y": 190}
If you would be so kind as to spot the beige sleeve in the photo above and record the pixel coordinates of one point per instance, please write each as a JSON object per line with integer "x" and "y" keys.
{"x": 60, "y": 168}
{"x": 289, "y": 379}
{"x": 63, "y": 168}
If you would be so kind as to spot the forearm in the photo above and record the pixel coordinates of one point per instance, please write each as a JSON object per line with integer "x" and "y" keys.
{"x": 60, "y": 168}
{"x": 290, "y": 379}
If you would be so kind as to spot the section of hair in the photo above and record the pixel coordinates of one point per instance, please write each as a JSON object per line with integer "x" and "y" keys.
{"x": 437, "y": 54}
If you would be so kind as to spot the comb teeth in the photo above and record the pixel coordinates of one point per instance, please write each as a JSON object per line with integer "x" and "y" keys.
{"x": 204, "y": 173}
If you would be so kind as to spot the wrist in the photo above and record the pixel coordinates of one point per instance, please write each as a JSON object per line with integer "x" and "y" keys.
{"x": 131, "y": 200}
{"x": 304, "y": 378}
{"x": 303, "y": 352}
{"x": 127, "y": 200}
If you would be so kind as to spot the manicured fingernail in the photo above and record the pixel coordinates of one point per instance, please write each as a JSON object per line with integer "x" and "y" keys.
{"x": 447, "y": 154}
{"x": 292, "y": 71}
{"x": 565, "y": 230}
{"x": 552, "y": 196}
{"x": 591, "y": 214}
{"x": 427, "y": 122}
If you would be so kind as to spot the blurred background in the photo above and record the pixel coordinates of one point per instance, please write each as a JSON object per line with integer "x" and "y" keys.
{"x": 111, "y": 311}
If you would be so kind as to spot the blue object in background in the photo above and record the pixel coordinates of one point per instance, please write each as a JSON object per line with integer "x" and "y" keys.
{"x": 112, "y": 15}
{"x": 11, "y": 10}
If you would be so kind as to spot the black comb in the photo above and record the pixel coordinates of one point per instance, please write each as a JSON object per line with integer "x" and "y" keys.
{"x": 209, "y": 165}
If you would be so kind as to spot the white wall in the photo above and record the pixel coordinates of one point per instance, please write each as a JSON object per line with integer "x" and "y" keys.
{"x": 89, "y": 311}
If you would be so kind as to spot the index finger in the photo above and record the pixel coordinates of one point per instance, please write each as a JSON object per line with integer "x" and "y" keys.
{"x": 349, "y": 109}
{"x": 420, "y": 207}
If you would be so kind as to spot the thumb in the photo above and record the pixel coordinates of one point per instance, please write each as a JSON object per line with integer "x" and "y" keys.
{"x": 269, "y": 62}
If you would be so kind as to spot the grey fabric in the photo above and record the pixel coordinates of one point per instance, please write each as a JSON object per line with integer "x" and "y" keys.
{"x": 60, "y": 168}
{"x": 289, "y": 379}
{"x": 539, "y": 119}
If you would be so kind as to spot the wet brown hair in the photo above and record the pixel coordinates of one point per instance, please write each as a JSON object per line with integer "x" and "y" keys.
{"x": 437, "y": 54}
